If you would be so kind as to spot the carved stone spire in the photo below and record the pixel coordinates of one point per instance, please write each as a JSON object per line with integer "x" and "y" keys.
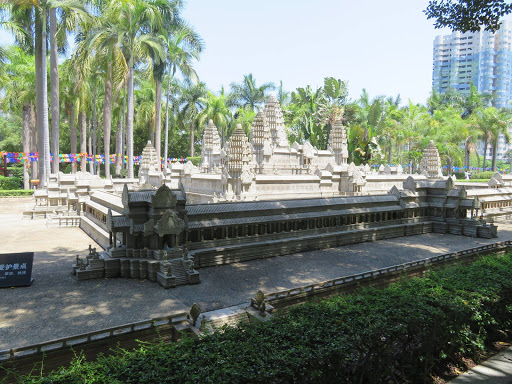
{"x": 431, "y": 162}
{"x": 211, "y": 138}
{"x": 210, "y": 152}
{"x": 338, "y": 142}
{"x": 238, "y": 151}
{"x": 275, "y": 120}
{"x": 260, "y": 131}
{"x": 149, "y": 160}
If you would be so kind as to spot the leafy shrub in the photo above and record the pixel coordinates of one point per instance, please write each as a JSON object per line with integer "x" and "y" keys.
{"x": 482, "y": 175}
{"x": 401, "y": 333}
{"x": 17, "y": 192}
{"x": 16, "y": 171}
{"x": 196, "y": 160}
{"x": 8, "y": 183}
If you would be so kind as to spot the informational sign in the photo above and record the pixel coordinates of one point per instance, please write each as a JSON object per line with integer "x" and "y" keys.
{"x": 16, "y": 269}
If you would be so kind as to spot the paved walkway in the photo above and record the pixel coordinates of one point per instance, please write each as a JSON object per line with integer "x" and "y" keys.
{"x": 496, "y": 370}
{"x": 57, "y": 305}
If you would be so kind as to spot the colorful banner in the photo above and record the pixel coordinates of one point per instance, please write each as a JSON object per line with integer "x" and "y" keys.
{"x": 21, "y": 157}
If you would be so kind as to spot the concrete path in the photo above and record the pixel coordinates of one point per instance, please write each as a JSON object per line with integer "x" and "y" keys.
{"x": 57, "y": 305}
{"x": 496, "y": 370}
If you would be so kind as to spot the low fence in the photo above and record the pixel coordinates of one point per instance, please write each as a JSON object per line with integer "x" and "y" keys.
{"x": 72, "y": 341}
{"x": 276, "y": 299}
{"x": 301, "y": 294}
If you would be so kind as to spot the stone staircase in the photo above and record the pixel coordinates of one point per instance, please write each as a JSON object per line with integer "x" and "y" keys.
{"x": 63, "y": 220}
{"x": 179, "y": 272}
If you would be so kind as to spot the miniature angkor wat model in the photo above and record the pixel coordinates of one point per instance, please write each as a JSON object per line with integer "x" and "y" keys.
{"x": 152, "y": 240}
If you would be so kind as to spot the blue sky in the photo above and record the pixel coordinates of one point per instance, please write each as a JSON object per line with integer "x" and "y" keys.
{"x": 383, "y": 46}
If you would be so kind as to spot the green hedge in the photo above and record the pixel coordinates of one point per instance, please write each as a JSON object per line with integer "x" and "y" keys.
{"x": 482, "y": 175}
{"x": 196, "y": 160}
{"x": 17, "y": 192}
{"x": 9, "y": 183}
{"x": 404, "y": 333}
{"x": 16, "y": 171}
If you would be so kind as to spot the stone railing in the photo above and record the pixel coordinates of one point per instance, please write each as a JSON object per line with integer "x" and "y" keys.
{"x": 343, "y": 283}
{"x": 58, "y": 344}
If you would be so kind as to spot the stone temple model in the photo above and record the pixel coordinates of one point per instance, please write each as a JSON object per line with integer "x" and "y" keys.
{"x": 266, "y": 167}
{"x": 152, "y": 241}
{"x": 259, "y": 197}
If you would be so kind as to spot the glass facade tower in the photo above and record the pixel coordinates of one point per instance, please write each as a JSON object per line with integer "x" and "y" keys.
{"x": 483, "y": 58}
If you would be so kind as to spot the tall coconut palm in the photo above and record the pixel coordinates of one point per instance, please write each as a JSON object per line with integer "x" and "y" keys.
{"x": 183, "y": 46}
{"x": 41, "y": 8}
{"x": 19, "y": 95}
{"x": 248, "y": 94}
{"x": 216, "y": 109}
{"x": 192, "y": 102}
{"x": 102, "y": 42}
{"x": 132, "y": 25}
{"x": 68, "y": 96}
{"x": 492, "y": 123}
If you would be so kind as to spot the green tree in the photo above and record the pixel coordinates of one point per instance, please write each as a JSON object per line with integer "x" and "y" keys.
{"x": 248, "y": 94}
{"x": 468, "y": 15}
{"x": 215, "y": 109}
{"x": 192, "y": 102}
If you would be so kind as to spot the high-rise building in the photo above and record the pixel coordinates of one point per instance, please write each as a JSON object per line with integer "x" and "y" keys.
{"x": 483, "y": 58}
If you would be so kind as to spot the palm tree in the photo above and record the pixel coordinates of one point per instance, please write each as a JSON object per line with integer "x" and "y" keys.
{"x": 67, "y": 93}
{"x": 102, "y": 41}
{"x": 492, "y": 123}
{"x": 19, "y": 94}
{"x": 183, "y": 45}
{"x": 41, "y": 8}
{"x": 247, "y": 94}
{"x": 134, "y": 23}
{"x": 192, "y": 102}
{"x": 216, "y": 109}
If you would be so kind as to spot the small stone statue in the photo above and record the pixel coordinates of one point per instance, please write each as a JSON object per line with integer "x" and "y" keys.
{"x": 263, "y": 306}
{"x": 195, "y": 311}
{"x": 169, "y": 270}
{"x": 95, "y": 255}
{"x": 185, "y": 253}
{"x": 90, "y": 249}
{"x": 203, "y": 322}
{"x": 82, "y": 265}
{"x": 188, "y": 265}
{"x": 77, "y": 260}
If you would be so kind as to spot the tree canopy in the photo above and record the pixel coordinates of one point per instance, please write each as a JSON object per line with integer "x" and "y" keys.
{"x": 468, "y": 15}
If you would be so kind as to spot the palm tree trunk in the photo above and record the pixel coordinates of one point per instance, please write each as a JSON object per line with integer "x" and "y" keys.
{"x": 466, "y": 153}
{"x": 158, "y": 119}
{"x": 107, "y": 118}
{"x": 26, "y": 143}
{"x": 123, "y": 129}
{"x": 94, "y": 125}
{"x": 192, "y": 139}
{"x": 119, "y": 143}
{"x": 129, "y": 120}
{"x": 83, "y": 140}
{"x": 485, "y": 154}
{"x": 72, "y": 134}
{"x": 166, "y": 141}
{"x": 33, "y": 139}
{"x": 89, "y": 129}
{"x": 389, "y": 153}
{"x": 54, "y": 87}
{"x": 39, "y": 101}
{"x": 46, "y": 128}
{"x": 494, "y": 150}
